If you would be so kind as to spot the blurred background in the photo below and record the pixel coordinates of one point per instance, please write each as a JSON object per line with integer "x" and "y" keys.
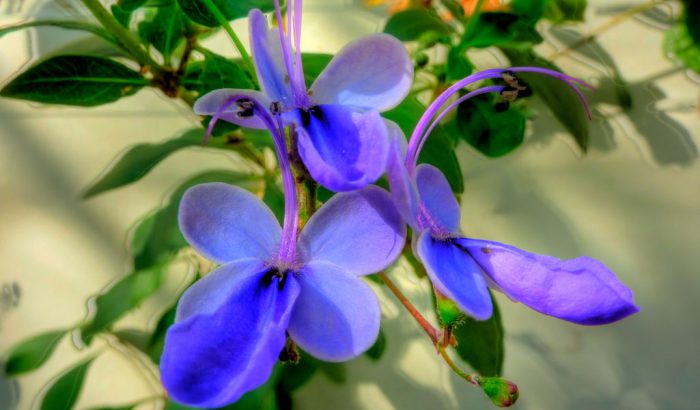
{"x": 632, "y": 201}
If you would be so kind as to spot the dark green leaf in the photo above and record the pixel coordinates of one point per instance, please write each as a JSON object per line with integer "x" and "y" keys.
{"x": 560, "y": 11}
{"x": 75, "y": 80}
{"x": 121, "y": 15}
{"x": 120, "y": 298}
{"x": 480, "y": 343}
{"x": 131, "y": 5}
{"x": 377, "y": 350}
{"x": 157, "y": 340}
{"x": 560, "y": 99}
{"x": 65, "y": 390}
{"x": 679, "y": 43}
{"x": 274, "y": 198}
{"x": 313, "y": 64}
{"x": 215, "y": 72}
{"x": 500, "y": 28}
{"x": 157, "y": 237}
{"x": 165, "y": 31}
{"x": 458, "y": 65}
{"x": 295, "y": 375}
{"x": 336, "y": 372}
{"x": 491, "y": 130}
{"x": 127, "y": 407}
{"x": 70, "y": 25}
{"x": 438, "y": 150}
{"x": 692, "y": 20}
{"x": 139, "y": 160}
{"x": 410, "y": 24}
{"x": 135, "y": 337}
{"x": 32, "y": 353}
{"x": 198, "y": 11}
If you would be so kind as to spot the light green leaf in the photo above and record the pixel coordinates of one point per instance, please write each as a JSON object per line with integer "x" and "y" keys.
{"x": 32, "y": 353}
{"x": 65, "y": 390}
{"x": 75, "y": 80}
{"x": 125, "y": 295}
{"x": 679, "y": 44}
{"x": 409, "y": 25}
{"x": 215, "y": 72}
{"x": 70, "y": 25}
{"x": 139, "y": 160}
{"x": 560, "y": 11}
{"x": 165, "y": 31}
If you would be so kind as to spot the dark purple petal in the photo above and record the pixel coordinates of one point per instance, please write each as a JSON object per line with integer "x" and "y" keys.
{"x": 455, "y": 274}
{"x": 214, "y": 356}
{"x": 209, "y": 104}
{"x": 360, "y": 232}
{"x": 580, "y": 290}
{"x": 440, "y": 208}
{"x": 268, "y": 59}
{"x": 336, "y": 316}
{"x": 374, "y": 72}
{"x": 342, "y": 149}
{"x": 225, "y": 223}
{"x": 403, "y": 189}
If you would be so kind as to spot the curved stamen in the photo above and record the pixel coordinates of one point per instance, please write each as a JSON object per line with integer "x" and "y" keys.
{"x": 249, "y": 107}
{"x": 418, "y": 136}
{"x": 217, "y": 116}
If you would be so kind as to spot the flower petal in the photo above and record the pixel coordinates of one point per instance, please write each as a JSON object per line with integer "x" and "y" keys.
{"x": 213, "y": 357}
{"x": 268, "y": 59}
{"x": 225, "y": 223}
{"x": 211, "y": 102}
{"x": 443, "y": 214}
{"x": 360, "y": 232}
{"x": 342, "y": 149}
{"x": 580, "y": 290}
{"x": 374, "y": 73}
{"x": 336, "y": 316}
{"x": 403, "y": 189}
{"x": 455, "y": 274}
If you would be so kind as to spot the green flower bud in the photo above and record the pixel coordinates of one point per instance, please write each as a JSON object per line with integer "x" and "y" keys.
{"x": 503, "y": 393}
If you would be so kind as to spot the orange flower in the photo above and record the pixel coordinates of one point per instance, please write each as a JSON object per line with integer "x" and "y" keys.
{"x": 487, "y": 5}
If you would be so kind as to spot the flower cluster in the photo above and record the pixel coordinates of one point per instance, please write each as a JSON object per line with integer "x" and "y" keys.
{"x": 285, "y": 283}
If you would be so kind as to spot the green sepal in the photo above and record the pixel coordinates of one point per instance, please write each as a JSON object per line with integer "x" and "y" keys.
{"x": 502, "y": 392}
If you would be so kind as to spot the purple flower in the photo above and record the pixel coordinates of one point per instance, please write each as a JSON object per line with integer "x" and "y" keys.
{"x": 231, "y": 325}
{"x": 342, "y": 139}
{"x": 580, "y": 290}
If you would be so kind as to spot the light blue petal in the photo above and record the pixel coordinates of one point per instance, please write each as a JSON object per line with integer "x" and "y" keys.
{"x": 336, "y": 316}
{"x": 373, "y": 73}
{"x": 342, "y": 149}
{"x": 359, "y": 231}
{"x": 211, "y": 102}
{"x": 455, "y": 274}
{"x": 212, "y": 358}
{"x": 268, "y": 59}
{"x": 580, "y": 290}
{"x": 403, "y": 189}
{"x": 440, "y": 208}
{"x": 225, "y": 223}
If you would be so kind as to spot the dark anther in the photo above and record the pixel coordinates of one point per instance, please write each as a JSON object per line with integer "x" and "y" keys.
{"x": 276, "y": 108}
{"x": 512, "y": 80}
{"x": 246, "y": 108}
{"x": 274, "y": 273}
{"x": 509, "y": 94}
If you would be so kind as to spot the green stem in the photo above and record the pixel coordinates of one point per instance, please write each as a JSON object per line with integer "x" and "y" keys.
{"x": 471, "y": 23}
{"x": 221, "y": 19}
{"x": 127, "y": 40}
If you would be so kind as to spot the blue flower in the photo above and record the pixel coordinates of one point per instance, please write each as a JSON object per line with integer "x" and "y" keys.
{"x": 274, "y": 282}
{"x": 342, "y": 139}
{"x": 580, "y": 290}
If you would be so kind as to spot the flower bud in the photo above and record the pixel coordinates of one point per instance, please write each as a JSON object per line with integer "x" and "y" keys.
{"x": 448, "y": 312}
{"x": 503, "y": 393}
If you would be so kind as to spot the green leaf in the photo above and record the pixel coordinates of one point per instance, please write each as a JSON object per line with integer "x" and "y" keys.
{"x": 438, "y": 149}
{"x": 131, "y": 5}
{"x": 561, "y": 11}
{"x": 335, "y": 372}
{"x": 215, "y": 72}
{"x": 157, "y": 340}
{"x": 313, "y": 64}
{"x": 561, "y": 100}
{"x": 139, "y": 160}
{"x": 274, "y": 199}
{"x": 692, "y": 20}
{"x": 480, "y": 343}
{"x": 70, "y": 25}
{"x": 679, "y": 43}
{"x": 127, "y": 407}
{"x": 165, "y": 31}
{"x": 75, "y": 80}
{"x": 198, "y": 11}
{"x": 500, "y": 28}
{"x": 120, "y": 298}
{"x": 295, "y": 375}
{"x": 377, "y": 350}
{"x": 409, "y": 25}
{"x": 65, "y": 390}
{"x": 121, "y": 15}
{"x": 493, "y": 132}
{"x": 32, "y": 353}
{"x": 458, "y": 65}
{"x": 157, "y": 237}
